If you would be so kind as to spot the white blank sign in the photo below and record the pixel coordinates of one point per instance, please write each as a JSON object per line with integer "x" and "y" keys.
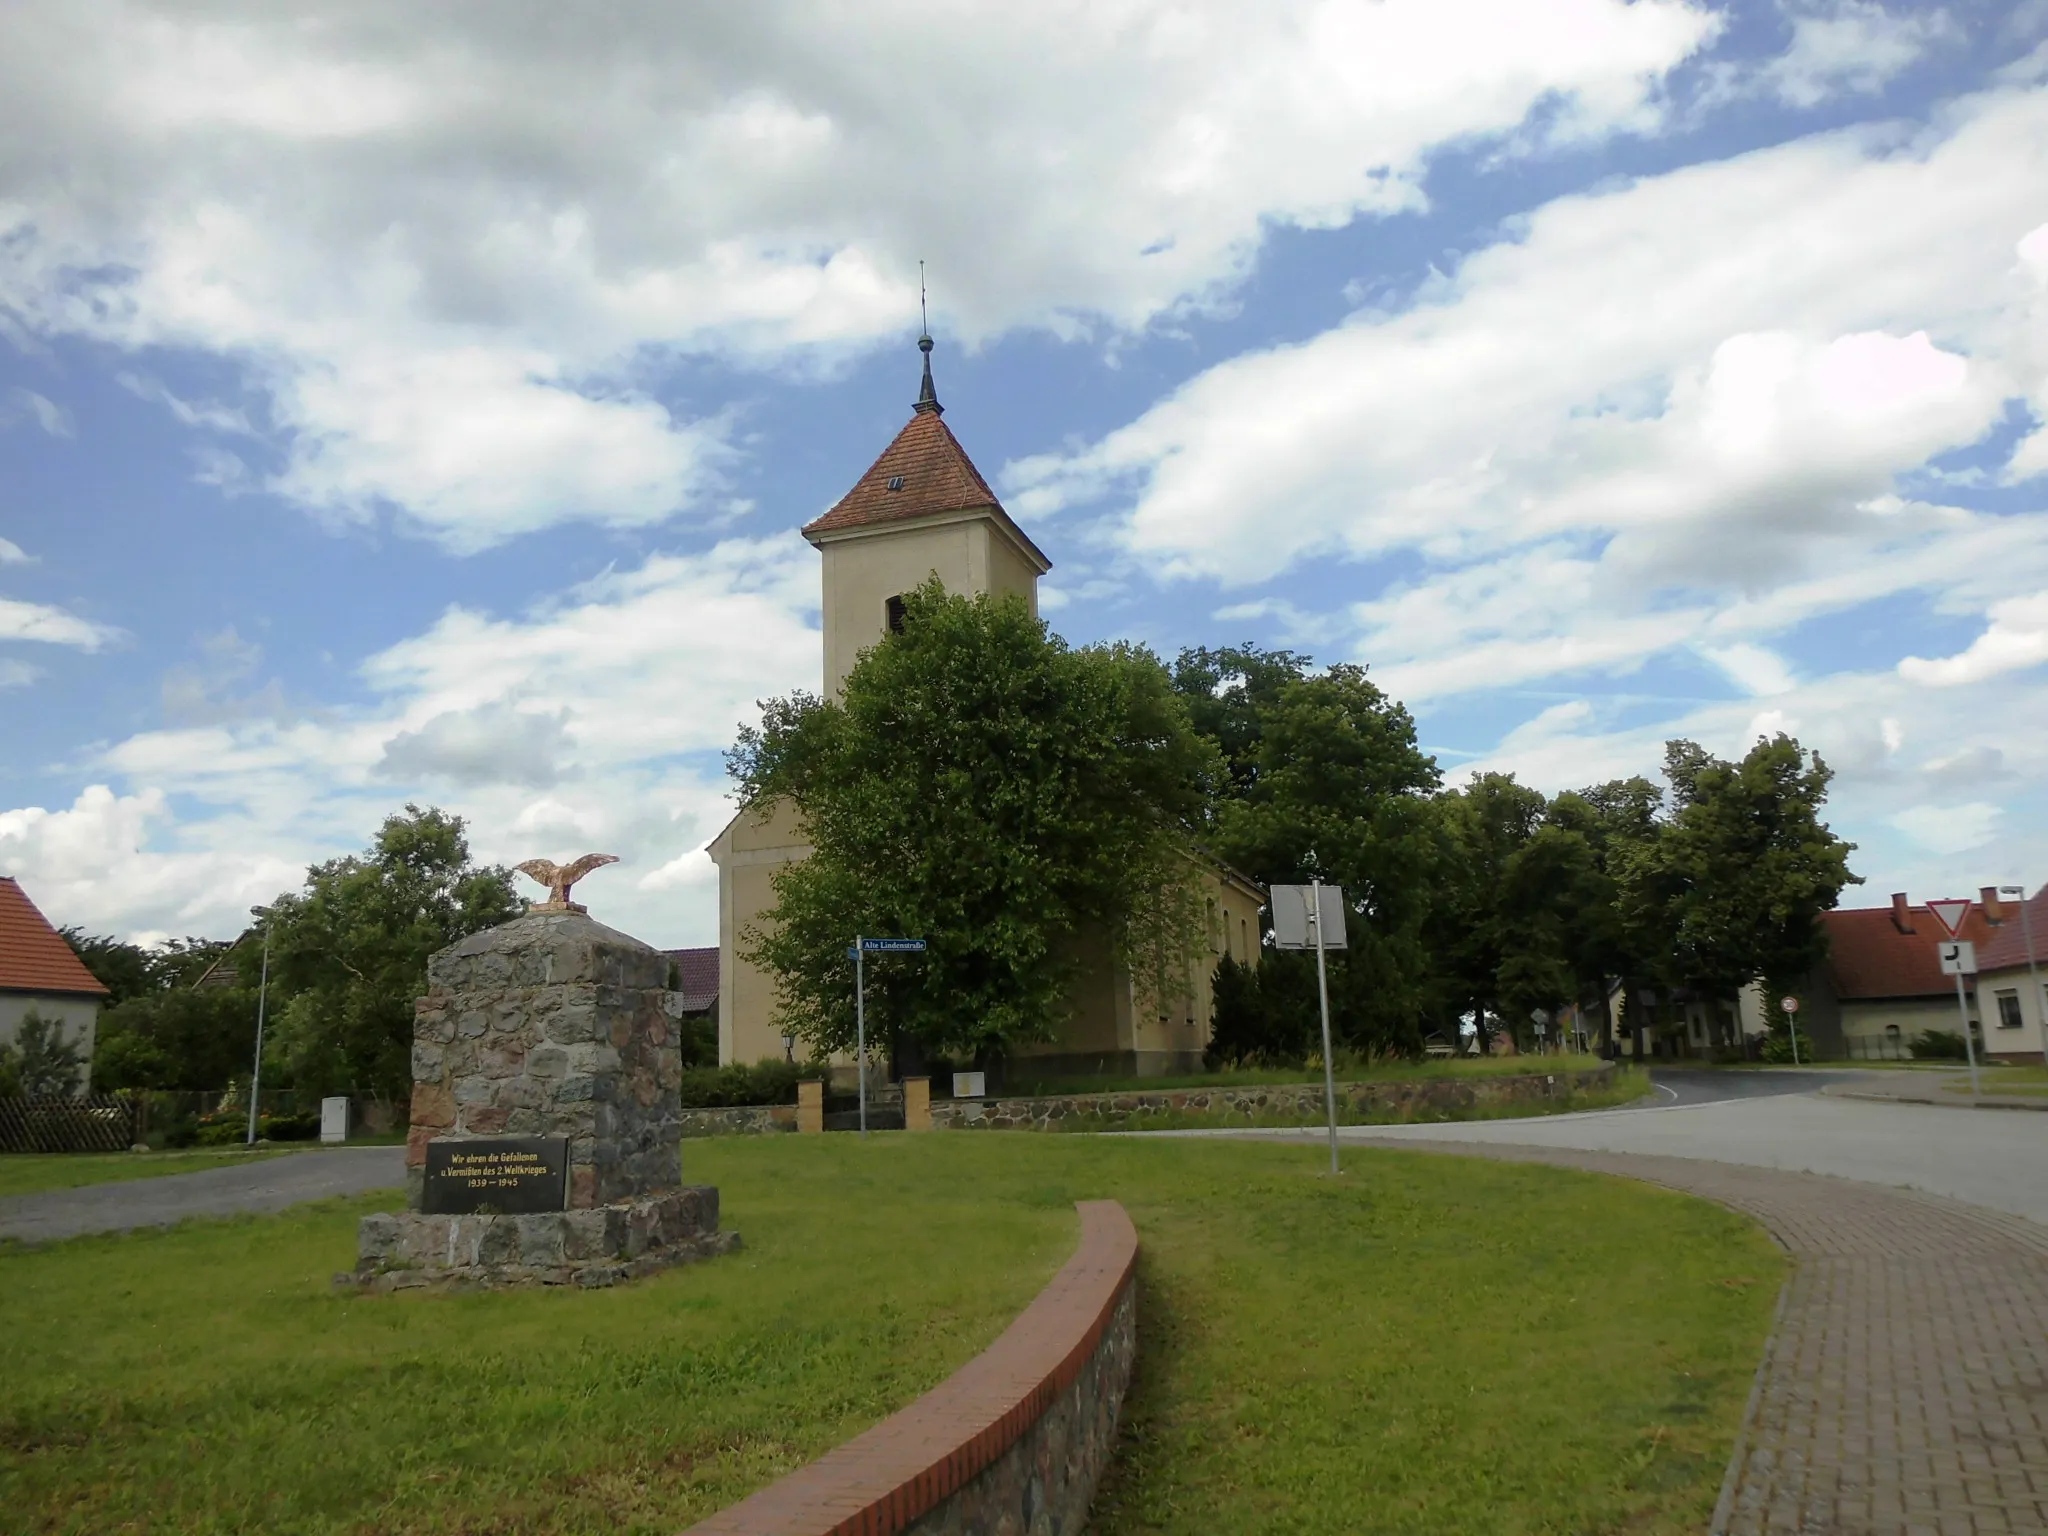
{"x": 1291, "y": 905}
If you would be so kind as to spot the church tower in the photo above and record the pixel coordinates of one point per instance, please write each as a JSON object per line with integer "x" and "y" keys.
{"x": 922, "y": 509}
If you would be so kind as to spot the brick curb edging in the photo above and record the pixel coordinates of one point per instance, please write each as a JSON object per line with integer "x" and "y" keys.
{"x": 1022, "y": 1431}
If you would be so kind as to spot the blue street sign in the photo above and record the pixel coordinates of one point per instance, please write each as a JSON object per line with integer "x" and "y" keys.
{"x": 888, "y": 946}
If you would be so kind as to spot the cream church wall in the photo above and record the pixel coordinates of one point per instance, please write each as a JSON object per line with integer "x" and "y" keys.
{"x": 864, "y": 568}
{"x": 753, "y": 846}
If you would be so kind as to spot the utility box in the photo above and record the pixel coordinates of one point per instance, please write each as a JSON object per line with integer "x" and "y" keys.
{"x": 334, "y": 1120}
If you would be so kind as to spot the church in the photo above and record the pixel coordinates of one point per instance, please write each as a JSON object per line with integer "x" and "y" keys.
{"x": 923, "y": 509}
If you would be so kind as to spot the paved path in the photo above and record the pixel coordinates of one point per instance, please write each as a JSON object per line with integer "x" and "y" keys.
{"x": 261, "y": 1187}
{"x": 1905, "y": 1389}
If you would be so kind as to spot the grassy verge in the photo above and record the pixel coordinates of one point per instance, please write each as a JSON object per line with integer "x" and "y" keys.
{"x": 29, "y": 1173}
{"x": 1022, "y": 1084}
{"x": 2028, "y": 1080}
{"x": 1427, "y": 1344}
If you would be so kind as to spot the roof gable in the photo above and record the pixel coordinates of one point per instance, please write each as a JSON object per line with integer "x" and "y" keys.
{"x": 2008, "y": 944}
{"x": 33, "y": 955}
{"x": 933, "y": 475}
{"x": 1869, "y": 958}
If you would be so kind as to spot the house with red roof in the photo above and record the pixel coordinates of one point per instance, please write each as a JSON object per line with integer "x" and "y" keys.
{"x": 1881, "y": 986}
{"x": 39, "y": 973}
{"x": 2010, "y": 967}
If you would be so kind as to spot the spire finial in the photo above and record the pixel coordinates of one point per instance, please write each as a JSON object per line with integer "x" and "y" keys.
{"x": 928, "y": 396}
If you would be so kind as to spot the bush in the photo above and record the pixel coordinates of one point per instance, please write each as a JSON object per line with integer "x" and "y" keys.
{"x": 765, "y": 1082}
{"x": 230, "y": 1128}
{"x": 1939, "y": 1045}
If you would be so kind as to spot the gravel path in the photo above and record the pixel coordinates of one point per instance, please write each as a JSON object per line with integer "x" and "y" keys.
{"x": 1905, "y": 1389}
{"x": 260, "y": 1187}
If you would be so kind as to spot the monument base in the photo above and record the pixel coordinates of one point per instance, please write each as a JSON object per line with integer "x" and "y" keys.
{"x": 598, "y": 1246}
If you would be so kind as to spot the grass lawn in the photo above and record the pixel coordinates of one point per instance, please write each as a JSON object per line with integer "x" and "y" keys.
{"x": 28, "y": 1173}
{"x": 1427, "y": 1345}
{"x": 2029, "y": 1080}
{"x": 1023, "y": 1084}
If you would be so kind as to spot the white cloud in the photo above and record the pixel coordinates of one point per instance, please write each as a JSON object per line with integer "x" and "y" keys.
{"x": 12, "y": 553}
{"x": 1949, "y": 828}
{"x": 2016, "y": 637}
{"x": 1850, "y": 45}
{"x": 1669, "y": 413}
{"x": 26, "y": 404}
{"x": 17, "y": 674}
{"x": 1754, "y": 668}
{"x": 443, "y": 246}
{"x": 52, "y": 626}
{"x": 593, "y": 721}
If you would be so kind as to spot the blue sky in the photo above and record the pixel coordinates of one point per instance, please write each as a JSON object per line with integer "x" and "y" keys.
{"x": 399, "y": 407}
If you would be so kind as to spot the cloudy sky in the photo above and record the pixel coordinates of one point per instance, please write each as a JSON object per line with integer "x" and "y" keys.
{"x": 405, "y": 402}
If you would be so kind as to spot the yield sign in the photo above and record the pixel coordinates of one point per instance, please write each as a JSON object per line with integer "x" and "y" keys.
{"x": 1950, "y": 915}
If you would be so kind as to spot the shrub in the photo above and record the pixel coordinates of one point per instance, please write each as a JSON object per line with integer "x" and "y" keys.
{"x": 765, "y": 1082}
{"x": 1939, "y": 1045}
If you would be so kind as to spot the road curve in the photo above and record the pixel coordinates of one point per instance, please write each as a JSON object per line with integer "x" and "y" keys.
{"x": 259, "y": 1187}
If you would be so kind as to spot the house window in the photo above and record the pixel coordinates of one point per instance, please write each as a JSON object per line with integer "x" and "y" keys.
{"x": 2009, "y": 1010}
{"x": 894, "y": 610}
{"x": 895, "y": 482}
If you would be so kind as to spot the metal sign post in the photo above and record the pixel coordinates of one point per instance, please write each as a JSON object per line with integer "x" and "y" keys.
{"x": 1312, "y": 917}
{"x": 1959, "y": 959}
{"x": 861, "y": 947}
{"x": 1791, "y": 1007}
{"x": 256, "y": 1072}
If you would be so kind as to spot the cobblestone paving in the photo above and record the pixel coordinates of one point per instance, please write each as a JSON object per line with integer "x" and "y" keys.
{"x": 1905, "y": 1389}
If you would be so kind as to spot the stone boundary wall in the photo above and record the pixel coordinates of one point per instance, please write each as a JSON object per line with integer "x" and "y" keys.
{"x": 1446, "y": 1096}
{"x": 1015, "y": 1440}
{"x": 744, "y": 1120}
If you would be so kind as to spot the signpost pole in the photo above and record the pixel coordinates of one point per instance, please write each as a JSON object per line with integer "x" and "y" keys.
{"x": 256, "y": 1072}
{"x": 1315, "y": 918}
{"x": 1969, "y": 1044}
{"x": 860, "y": 1024}
{"x": 1791, "y": 1007}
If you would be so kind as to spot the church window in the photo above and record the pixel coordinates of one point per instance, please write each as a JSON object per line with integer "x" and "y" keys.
{"x": 894, "y": 608}
{"x": 895, "y": 482}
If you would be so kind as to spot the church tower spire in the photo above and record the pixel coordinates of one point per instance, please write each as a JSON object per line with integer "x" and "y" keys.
{"x": 927, "y": 397}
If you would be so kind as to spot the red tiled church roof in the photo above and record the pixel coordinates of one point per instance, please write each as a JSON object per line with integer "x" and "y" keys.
{"x": 936, "y": 475}
{"x": 2008, "y": 944}
{"x": 1869, "y": 957}
{"x": 33, "y": 955}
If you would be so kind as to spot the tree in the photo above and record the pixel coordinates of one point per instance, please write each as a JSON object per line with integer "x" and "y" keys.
{"x": 1336, "y": 788}
{"x": 1609, "y": 939}
{"x": 982, "y": 785}
{"x": 1498, "y": 937}
{"x": 1746, "y": 866}
{"x": 178, "y": 1037}
{"x": 349, "y": 952}
{"x": 1228, "y": 691}
{"x": 44, "y": 1061}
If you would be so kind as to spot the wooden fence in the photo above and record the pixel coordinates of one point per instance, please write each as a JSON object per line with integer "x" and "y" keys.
{"x": 100, "y": 1122}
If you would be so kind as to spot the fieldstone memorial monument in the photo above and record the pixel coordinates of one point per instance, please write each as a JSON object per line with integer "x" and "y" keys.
{"x": 545, "y": 1145}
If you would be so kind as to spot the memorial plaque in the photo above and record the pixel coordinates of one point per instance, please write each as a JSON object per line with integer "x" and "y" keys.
{"x": 496, "y": 1175}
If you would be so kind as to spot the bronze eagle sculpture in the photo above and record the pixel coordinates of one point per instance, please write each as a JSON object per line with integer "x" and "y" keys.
{"x": 559, "y": 877}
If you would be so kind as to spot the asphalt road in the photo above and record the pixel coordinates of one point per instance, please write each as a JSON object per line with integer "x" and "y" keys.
{"x": 260, "y": 1187}
{"x": 1992, "y": 1158}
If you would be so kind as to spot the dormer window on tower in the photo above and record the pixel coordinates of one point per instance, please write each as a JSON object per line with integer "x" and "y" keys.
{"x": 895, "y": 482}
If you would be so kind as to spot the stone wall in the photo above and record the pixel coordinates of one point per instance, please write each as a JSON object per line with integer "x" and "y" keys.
{"x": 554, "y": 1025}
{"x": 1421, "y": 1099}
{"x": 745, "y": 1120}
{"x": 1014, "y": 1441}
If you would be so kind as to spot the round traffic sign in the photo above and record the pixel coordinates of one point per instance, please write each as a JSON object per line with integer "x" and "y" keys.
{"x": 1789, "y": 1004}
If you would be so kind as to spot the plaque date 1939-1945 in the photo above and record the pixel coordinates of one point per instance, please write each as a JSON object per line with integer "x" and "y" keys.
{"x": 504, "y": 1175}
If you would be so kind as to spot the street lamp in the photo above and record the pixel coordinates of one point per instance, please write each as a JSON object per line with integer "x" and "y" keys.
{"x": 789, "y": 1049}
{"x": 2033, "y": 972}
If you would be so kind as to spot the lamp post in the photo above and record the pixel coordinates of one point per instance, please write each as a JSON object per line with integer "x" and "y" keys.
{"x": 256, "y": 1071}
{"x": 2033, "y": 971}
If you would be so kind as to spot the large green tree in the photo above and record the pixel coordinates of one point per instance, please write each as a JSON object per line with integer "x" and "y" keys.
{"x": 1332, "y": 785}
{"x": 984, "y": 786}
{"x": 349, "y": 951}
{"x": 1745, "y": 866}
